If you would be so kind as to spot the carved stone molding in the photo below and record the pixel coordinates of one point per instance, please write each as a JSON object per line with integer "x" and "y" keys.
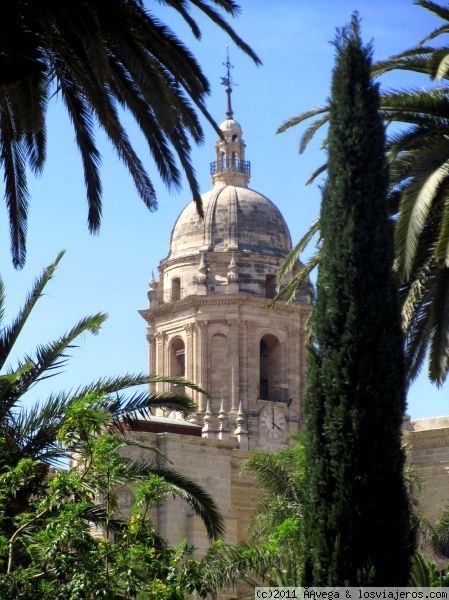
{"x": 189, "y": 327}
{"x": 161, "y": 336}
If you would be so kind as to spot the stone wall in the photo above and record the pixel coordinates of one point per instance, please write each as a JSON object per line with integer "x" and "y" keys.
{"x": 215, "y": 465}
{"x": 428, "y": 444}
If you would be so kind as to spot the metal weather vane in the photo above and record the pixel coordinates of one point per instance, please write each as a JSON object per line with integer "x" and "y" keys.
{"x": 228, "y": 82}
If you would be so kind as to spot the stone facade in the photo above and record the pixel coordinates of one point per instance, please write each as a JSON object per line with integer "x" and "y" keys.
{"x": 428, "y": 445}
{"x": 216, "y": 465}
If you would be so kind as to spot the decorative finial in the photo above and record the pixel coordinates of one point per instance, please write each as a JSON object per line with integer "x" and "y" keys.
{"x": 228, "y": 82}
{"x": 202, "y": 271}
{"x": 232, "y": 270}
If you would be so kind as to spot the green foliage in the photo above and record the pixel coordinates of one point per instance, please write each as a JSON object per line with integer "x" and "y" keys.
{"x": 356, "y": 521}
{"x": 94, "y": 420}
{"x": 61, "y": 533}
{"x": 424, "y": 573}
{"x": 54, "y": 552}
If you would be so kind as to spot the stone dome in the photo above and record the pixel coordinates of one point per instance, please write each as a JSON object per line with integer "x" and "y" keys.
{"x": 235, "y": 219}
{"x": 229, "y": 127}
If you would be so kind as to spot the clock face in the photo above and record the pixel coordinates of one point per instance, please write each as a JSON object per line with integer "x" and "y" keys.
{"x": 273, "y": 423}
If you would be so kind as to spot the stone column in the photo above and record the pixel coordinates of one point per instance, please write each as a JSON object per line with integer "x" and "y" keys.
{"x": 234, "y": 363}
{"x": 252, "y": 367}
{"x": 151, "y": 338}
{"x": 294, "y": 375}
{"x": 302, "y": 365}
{"x": 243, "y": 364}
{"x": 190, "y": 367}
{"x": 201, "y": 362}
{"x": 190, "y": 374}
{"x": 161, "y": 367}
{"x": 252, "y": 409}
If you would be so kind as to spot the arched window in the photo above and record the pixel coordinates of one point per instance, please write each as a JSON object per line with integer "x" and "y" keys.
{"x": 270, "y": 369}
{"x": 223, "y": 161}
{"x": 177, "y": 369}
{"x": 235, "y": 138}
{"x": 178, "y": 358}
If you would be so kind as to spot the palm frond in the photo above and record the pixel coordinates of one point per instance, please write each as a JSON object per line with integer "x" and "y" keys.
{"x": 52, "y": 356}
{"x": 82, "y": 121}
{"x": 280, "y": 473}
{"x": 288, "y": 291}
{"x": 316, "y": 174}
{"x": 420, "y": 575}
{"x": 292, "y": 258}
{"x": 310, "y": 132}
{"x": 199, "y": 500}
{"x": 439, "y": 345}
{"x": 13, "y": 161}
{"x": 225, "y": 565}
{"x": 442, "y": 244}
{"x": 34, "y": 431}
{"x": 214, "y": 16}
{"x": 10, "y": 333}
{"x": 436, "y": 9}
{"x": 302, "y": 117}
{"x": 96, "y": 60}
{"x": 415, "y": 59}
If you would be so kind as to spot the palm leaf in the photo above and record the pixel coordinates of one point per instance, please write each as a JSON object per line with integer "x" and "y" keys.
{"x": 439, "y": 346}
{"x": 97, "y": 59}
{"x": 10, "y": 333}
{"x": 199, "y": 500}
{"x": 316, "y": 174}
{"x": 437, "y": 9}
{"x": 52, "y": 356}
{"x": 225, "y": 565}
{"x": 442, "y": 244}
{"x": 310, "y": 132}
{"x": 13, "y": 161}
{"x": 302, "y": 117}
{"x": 280, "y": 473}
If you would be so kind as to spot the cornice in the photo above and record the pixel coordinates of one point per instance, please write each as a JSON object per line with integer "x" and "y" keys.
{"x": 434, "y": 438}
{"x": 222, "y": 256}
{"x": 176, "y": 438}
{"x": 195, "y": 302}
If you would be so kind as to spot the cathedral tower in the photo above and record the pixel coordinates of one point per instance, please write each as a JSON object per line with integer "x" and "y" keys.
{"x": 208, "y": 319}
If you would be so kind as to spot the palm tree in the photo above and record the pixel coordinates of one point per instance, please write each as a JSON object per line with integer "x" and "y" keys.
{"x": 34, "y": 433}
{"x": 419, "y": 192}
{"x": 99, "y": 57}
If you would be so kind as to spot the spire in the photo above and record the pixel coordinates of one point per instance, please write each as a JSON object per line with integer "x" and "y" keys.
{"x": 230, "y": 167}
{"x": 228, "y": 82}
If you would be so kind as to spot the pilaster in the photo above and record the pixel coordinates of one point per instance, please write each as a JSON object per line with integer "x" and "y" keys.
{"x": 201, "y": 353}
{"x": 234, "y": 362}
{"x": 160, "y": 361}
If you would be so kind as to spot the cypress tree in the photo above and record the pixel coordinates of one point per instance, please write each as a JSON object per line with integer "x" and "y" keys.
{"x": 357, "y": 526}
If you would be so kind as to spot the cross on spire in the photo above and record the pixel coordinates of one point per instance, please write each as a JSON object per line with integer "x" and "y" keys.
{"x": 228, "y": 82}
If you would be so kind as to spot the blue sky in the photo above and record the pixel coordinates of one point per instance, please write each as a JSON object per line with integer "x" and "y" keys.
{"x": 110, "y": 272}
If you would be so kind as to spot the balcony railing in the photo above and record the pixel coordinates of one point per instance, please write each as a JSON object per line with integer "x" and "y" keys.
{"x": 272, "y": 394}
{"x": 235, "y": 166}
